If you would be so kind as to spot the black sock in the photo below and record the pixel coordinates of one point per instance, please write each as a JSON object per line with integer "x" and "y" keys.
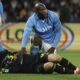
{"x": 63, "y": 70}
{"x": 65, "y": 63}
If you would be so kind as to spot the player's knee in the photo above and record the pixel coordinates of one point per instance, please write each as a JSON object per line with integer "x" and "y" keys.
{"x": 48, "y": 66}
{"x": 54, "y": 58}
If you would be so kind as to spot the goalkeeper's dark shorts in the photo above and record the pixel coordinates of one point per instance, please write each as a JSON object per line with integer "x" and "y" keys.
{"x": 34, "y": 64}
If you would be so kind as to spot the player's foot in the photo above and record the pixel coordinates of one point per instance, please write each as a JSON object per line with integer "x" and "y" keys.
{"x": 77, "y": 71}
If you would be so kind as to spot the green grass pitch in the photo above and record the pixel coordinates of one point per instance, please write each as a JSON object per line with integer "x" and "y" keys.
{"x": 73, "y": 56}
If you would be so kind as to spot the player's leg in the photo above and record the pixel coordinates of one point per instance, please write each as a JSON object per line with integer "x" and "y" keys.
{"x": 36, "y": 44}
{"x": 45, "y": 68}
{"x": 51, "y": 67}
{"x": 49, "y": 64}
{"x": 48, "y": 48}
{"x": 67, "y": 64}
{"x": 63, "y": 62}
{"x": 63, "y": 70}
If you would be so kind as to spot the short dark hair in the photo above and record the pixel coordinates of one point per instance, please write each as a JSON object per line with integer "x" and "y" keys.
{"x": 39, "y": 5}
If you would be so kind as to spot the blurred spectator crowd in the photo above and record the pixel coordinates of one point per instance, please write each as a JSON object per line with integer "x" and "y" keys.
{"x": 20, "y": 10}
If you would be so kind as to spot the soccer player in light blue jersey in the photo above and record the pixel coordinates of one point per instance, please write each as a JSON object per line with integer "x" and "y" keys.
{"x": 1, "y": 12}
{"x": 47, "y": 27}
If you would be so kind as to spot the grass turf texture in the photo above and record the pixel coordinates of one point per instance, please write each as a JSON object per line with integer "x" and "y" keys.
{"x": 73, "y": 56}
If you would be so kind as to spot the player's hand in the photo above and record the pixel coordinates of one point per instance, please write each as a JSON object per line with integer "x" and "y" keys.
{"x": 51, "y": 50}
{"x": 23, "y": 51}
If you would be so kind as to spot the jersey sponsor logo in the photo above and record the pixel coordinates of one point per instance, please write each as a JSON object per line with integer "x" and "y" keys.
{"x": 44, "y": 29}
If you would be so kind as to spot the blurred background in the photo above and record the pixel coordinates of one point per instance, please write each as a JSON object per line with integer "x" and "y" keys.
{"x": 19, "y": 10}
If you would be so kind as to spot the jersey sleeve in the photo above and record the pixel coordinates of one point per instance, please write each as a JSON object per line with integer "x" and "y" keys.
{"x": 27, "y": 30}
{"x": 1, "y": 12}
{"x": 1, "y": 9}
{"x": 57, "y": 31}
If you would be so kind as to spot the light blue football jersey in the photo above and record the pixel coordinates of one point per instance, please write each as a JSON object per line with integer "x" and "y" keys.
{"x": 49, "y": 29}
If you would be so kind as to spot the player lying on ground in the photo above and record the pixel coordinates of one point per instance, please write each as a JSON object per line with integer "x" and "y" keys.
{"x": 41, "y": 63}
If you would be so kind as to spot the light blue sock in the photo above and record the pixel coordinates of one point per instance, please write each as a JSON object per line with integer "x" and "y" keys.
{"x": 34, "y": 50}
{"x": 1, "y": 47}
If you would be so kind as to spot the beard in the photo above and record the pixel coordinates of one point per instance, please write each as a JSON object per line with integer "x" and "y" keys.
{"x": 42, "y": 16}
